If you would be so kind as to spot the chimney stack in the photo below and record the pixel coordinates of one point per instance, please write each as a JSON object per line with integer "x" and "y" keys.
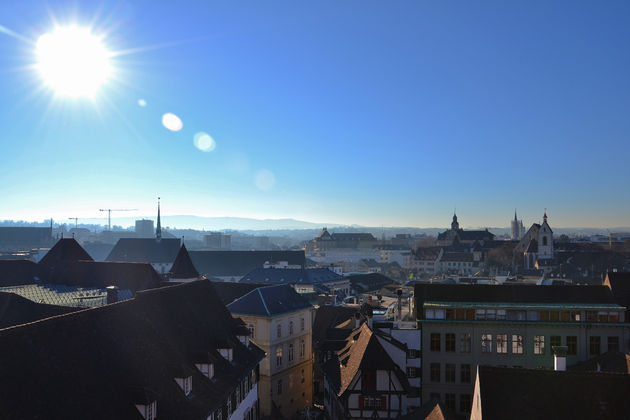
{"x": 112, "y": 294}
{"x": 559, "y": 358}
{"x": 399, "y": 293}
{"x": 357, "y": 320}
{"x": 370, "y": 314}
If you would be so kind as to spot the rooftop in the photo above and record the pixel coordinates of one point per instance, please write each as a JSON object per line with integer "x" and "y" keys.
{"x": 269, "y": 301}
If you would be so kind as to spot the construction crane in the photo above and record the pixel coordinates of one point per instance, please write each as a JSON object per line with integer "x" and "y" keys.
{"x": 76, "y": 221}
{"x": 109, "y": 215}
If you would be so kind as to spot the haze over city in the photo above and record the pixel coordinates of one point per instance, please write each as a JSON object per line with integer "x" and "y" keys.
{"x": 353, "y": 113}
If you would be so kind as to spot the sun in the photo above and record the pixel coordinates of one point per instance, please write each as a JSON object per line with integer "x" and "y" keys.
{"x": 73, "y": 62}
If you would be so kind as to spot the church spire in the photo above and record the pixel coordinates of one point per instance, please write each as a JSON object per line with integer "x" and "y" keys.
{"x": 158, "y": 230}
{"x": 515, "y": 218}
{"x": 545, "y": 216}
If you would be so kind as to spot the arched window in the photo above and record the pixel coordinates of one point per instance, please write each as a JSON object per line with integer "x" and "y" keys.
{"x": 544, "y": 241}
{"x": 290, "y": 352}
{"x": 279, "y": 329}
{"x": 290, "y": 327}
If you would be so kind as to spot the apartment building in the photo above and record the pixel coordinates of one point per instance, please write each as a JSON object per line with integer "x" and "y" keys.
{"x": 280, "y": 322}
{"x": 463, "y": 326}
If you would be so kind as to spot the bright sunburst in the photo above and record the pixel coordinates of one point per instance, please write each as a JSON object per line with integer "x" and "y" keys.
{"x": 73, "y": 61}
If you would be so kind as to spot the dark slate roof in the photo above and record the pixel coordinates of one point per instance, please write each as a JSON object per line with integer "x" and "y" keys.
{"x": 457, "y": 256}
{"x": 467, "y": 235}
{"x": 327, "y": 317}
{"x": 27, "y": 236}
{"x": 537, "y": 393}
{"x": 103, "y": 361}
{"x": 352, "y": 237}
{"x": 183, "y": 267}
{"x": 16, "y": 272}
{"x": 431, "y": 411}
{"x": 269, "y": 301}
{"x": 239, "y": 263}
{"x": 290, "y": 276}
{"x": 149, "y": 250}
{"x": 65, "y": 250}
{"x": 16, "y": 310}
{"x": 228, "y": 291}
{"x": 427, "y": 253}
{"x": 362, "y": 351}
{"x": 132, "y": 276}
{"x": 607, "y": 362}
{"x": 368, "y": 282}
{"x": 512, "y": 293}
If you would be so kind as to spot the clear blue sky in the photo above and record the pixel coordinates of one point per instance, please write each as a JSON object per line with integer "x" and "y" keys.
{"x": 367, "y": 112}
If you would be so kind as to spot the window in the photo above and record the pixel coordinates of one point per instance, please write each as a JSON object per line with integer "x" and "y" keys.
{"x": 449, "y": 372}
{"x": 539, "y": 344}
{"x": 501, "y": 314}
{"x": 252, "y": 330}
{"x": 290, "y": 327}
{"x": 502, "y": 343}
{"x": 449, "y": 401}
{"x": 543, "y": 315}
{"x": 555, "y": 340}
{"x": 279, "y": 357}
{"x": 302, "y": 348}
{"x": 279, "y": 386}
{"x": 532, "y": 316}
{"x": 544, "y": 241}
{"x": 565, "y": 316}
{"x": 491, "y": 314}
{"x": 150, "y": 410}
{"x": 517, "y": 344}
{"x": 571, "y": 345}
{"x": 412, "y": 372}
{"x": 435, "y": 372}
{"x": 554, "y": 316}
{"x": 413, "y": 353}
{"x": 279, "y": 330}
{"x": 613, "y": 317}
{"x": 591, "y": 316}
{"x": 480, "y": 314}
{"x": 595, "y": 345}
{"x": 464, "y": 403}
{"x": 207, "y": 369}
{"x": 374, "y": 403}
{"x": 464, "y": 343}
{"x": 435, "y": 341}
{"x": 368, "y": 380}
{"x": 517, "y": 315}
{"x": 301, "y": 324}
{"x": 450, "y": 314}
{"x": 464, "y": 374}
{"x": 449, "y": 342}
{"x": 439, "y": 314}
{"x": 613, "y": 343}
{"x": 486, "y": 343}
{"x": 429, "y": 313}
{"x": 290, "y": 352}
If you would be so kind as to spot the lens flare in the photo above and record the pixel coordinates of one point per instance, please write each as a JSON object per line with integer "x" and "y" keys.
{"x": 204, "y": 142}
{"x": 172, "y": 122}
{"x": 264, "y": 179}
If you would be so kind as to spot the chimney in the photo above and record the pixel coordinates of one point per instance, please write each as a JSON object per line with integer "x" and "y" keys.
{"x": 357, "y": 320}
{"x": 112, "y": 294}
{"x": 559, "y": 358}
{"x": 370, "y": 314}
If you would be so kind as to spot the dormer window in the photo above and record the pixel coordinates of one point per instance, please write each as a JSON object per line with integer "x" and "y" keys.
{"x": 185, "y": 384}
{"x": 227, "y": 353}
{"x": 148, "y": 411}
{"x": 207, "y": 369}
{"x": 244, "y": 339}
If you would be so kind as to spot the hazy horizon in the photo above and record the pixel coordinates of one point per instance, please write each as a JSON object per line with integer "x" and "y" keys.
{"x": 357, "y": 112}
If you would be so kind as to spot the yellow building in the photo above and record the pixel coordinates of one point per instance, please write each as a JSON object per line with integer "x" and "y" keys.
{"x": 280, "y": 321}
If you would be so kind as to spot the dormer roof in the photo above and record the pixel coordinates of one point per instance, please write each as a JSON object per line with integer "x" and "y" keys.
{"x": 183, "y": 267}
{"x": 64, "y": 251}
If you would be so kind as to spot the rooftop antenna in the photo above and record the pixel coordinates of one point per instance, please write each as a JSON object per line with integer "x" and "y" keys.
{"x": 76, "y": 221}
{"x": 158, "y": 229}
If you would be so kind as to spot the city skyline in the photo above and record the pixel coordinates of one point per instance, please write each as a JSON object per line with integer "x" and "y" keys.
{"x": 354, "y": 113}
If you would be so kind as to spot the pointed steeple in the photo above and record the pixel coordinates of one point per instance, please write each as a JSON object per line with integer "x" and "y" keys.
{"x": 454, "y": 224}
{"x": 545, "y": 216}
{"x": 183, "y": 267}
{"x": 515, "y": 219}
{"x": 158, "y": 229}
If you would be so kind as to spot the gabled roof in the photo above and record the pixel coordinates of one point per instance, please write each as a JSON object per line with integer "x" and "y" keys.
{"x": 269, "y": 301}
{"x": 27, "y": 236}
{"x": 132, "y": 276}
{"x": 16, "y": 310}
{"x": 537, "y": 393}
{"x": 183, "y": 267}
{"x": 145, "y": 250}
{"x": 16, "y": 272}
{"x": 368, "y": 282}
{"x": 532, "y": 247}
{"x": 103, "y": 361}
{"x": 362, "y": 351}
{"x": 290, "y": 276}
{"x": 329, "y": 316}
{"x": 239, "y": 263}
{"x": 65, "y": 250}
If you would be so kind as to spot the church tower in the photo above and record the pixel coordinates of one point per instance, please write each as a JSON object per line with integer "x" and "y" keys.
{"x": 454, "y": 224}
{"x": 158, "y": 229}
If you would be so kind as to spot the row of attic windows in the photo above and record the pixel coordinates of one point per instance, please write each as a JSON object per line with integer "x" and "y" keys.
{"x": 522, "y": 315}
